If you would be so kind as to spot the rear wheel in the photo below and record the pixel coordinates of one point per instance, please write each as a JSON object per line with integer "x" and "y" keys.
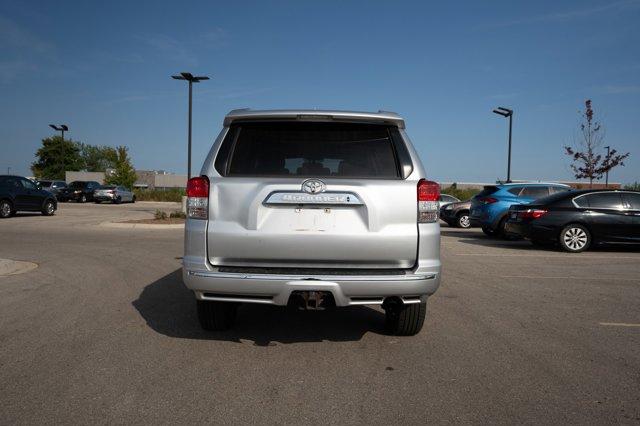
{"x": 575, "y": 238}
{"x": 49, "y": 208}
{"x": 118, "y": 200}
{"x": 6, "y": 209}
{"x": 463, "y": 220}
{"x": 133, "y": 200}
{"x": 216, "y": 316}
{"x": 405, "y": 320}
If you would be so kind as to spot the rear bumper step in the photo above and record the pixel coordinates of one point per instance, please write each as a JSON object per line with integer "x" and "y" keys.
{"x": 276, "y": 289}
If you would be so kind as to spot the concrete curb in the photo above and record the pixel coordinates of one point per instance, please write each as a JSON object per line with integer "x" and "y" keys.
{"x": 15, "y": 267}
{"x": 122, "y": 225}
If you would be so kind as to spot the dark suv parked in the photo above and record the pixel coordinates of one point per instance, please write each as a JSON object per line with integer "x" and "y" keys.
{"x": 80, "y": 191}
{"x": 21, "y": 194}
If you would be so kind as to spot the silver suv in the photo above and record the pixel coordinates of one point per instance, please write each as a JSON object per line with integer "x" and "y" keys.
{"x": 312, "y": 209}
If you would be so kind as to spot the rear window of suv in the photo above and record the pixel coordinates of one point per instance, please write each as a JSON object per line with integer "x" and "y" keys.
{"x": 310, "y": 149}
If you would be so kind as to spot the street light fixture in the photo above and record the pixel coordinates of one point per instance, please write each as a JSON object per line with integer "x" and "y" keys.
{"x": 191, "y": 79}
{"x": 61, "y": 128}
{"x": 506, "y": 112}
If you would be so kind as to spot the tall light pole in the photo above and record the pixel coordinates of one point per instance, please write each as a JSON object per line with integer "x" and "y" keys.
{"x": 506, "y": 112}
{"x": 61, "y": 128}
{"x": 191, "y": 79}
{"x": 606, "y": 179}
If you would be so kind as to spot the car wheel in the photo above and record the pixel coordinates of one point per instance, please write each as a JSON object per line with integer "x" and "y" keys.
{"x": 118, "y": 200}
{"x": 216, "y": 316}
{"x": 97, "y": 202}
{"x": 575, "y": 238}
{"x": 488, "y": 231}
{"x": 405, "y": 320}
{"x": 6, "y": 209}
{"x": 463, "y": 221}
{"x": 133, "y": 200}
{"x": 82, "y": 199}
{"x": 49, "y": 208}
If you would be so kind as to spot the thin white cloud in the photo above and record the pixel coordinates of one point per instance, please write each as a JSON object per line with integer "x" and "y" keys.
{"x": 617, "y": 90}
{"x": 13, "y": 36}
{"x": 9, "y": 70}
{"x": 503, "y": 96}
{"x": 614, "y": 7}
{"x": 169, "y": 48}
{"x": 20, "y": 50}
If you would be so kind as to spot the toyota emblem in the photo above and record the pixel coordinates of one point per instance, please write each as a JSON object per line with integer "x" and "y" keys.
{"x": 313, "y": 186}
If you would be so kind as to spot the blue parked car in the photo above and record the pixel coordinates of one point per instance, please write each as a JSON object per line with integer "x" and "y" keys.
{"x": 490, "y": 207}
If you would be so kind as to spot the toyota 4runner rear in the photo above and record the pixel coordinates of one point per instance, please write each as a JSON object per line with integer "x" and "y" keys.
{"x": 312, "y": 209}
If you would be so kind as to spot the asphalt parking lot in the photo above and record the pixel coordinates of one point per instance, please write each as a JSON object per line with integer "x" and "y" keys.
{"x": 103, "y": 331}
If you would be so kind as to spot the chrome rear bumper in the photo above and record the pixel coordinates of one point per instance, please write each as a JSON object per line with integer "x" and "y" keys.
{"x": 276, "y": 289}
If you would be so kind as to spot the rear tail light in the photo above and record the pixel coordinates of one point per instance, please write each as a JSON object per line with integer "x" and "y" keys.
{"x": 488, "y": 200}
{"x": 428, "y": 196}
{"x": 198, "y": 197}
{"x": 532, "y": 213}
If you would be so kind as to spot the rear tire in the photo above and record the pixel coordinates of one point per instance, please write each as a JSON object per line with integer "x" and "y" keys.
{"x": 216, "y": 316}
{"x": 133, "y": 200}
{"x": 463, "y": 221}
{"x": 49, "y": 208}
{"x": 406, "y": 320}
{"x": 6, "y": 209}
{"x": 575, "y": 238}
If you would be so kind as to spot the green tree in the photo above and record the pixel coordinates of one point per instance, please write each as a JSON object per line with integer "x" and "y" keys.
{"x": 124, "y": 173}
{"x": 97, "y": 158}
{"x": 54, "y": 157}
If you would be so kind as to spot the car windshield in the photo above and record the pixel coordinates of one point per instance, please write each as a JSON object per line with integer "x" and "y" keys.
{"x": 45, "y": 183}
{"x": 107, "y": 187}
{"x": 77, "y": 185}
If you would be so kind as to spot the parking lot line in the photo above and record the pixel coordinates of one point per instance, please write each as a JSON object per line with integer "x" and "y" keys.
{"x": 619, "y": 324}
{"x": 599, "y": 278}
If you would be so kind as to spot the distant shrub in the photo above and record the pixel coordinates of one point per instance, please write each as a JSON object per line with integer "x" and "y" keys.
{"x": 174, "y": 195}
{"x": 461, "y": 194}
{"x": 160, "y": 215}
{"x": 635, "y": 186}
{"x": 177, "y": 214}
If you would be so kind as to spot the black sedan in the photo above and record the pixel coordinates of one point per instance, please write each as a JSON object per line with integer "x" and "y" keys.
{"x": 78, "y": 190}
{"x": 577, "y": 219}
{"x": 21, "y": 194}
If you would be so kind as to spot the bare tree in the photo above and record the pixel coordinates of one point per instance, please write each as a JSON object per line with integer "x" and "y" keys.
{"x": 586, "y": 162}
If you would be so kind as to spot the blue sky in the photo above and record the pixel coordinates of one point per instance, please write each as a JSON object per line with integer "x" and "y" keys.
{"x": 104, "y": 69}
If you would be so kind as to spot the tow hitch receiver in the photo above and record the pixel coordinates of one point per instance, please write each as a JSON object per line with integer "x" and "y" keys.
{"x": 311, "y": 300}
